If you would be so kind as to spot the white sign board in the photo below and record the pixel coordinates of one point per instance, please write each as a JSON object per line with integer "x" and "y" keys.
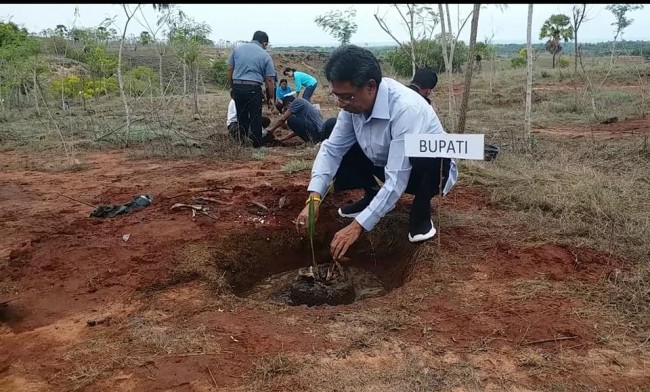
{"x": 445, "y": 145}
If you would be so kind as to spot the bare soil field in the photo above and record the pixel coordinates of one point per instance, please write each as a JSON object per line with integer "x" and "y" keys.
{"x": 539, "y": 280}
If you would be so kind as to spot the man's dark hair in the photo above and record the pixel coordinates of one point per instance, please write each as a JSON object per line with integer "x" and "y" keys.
{"x": 260, "y": 37}
{"x": 287, "y": 70}
{"x": 283, "y": 81}
{"x": 425, "y": 78}
{"x": 351, "y": 63}
{"x": 288, "y": 99}
{"x": 265, "y": 121}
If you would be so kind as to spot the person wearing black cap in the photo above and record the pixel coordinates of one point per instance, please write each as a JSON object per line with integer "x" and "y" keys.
{"x": 423, "y": 82}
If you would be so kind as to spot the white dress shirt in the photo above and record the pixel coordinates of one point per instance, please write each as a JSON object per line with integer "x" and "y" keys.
{"x": 232, "y": 113}
{"x": 397, "y": 111}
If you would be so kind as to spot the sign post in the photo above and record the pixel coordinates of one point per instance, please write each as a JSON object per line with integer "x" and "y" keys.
{"x": 444, "y": 145}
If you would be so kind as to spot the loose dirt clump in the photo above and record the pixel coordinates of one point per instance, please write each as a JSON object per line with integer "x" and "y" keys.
{"x": 321, "y": 288}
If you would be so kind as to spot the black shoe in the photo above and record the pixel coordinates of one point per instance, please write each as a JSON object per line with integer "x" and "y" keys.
{"x": 421, "y": 231}
{"x": 352, "y": 210}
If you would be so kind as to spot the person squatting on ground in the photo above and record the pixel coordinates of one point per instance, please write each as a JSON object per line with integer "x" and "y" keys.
{"x": 233, "y": 125}
{"x": 367, "y": 140}
{"x": 280, "y": 92}
{"x": 302, "y": 79}
{"x": 423, "y": 82}
{"x": 249, "y": 67}
{"x": 303, "y": 119}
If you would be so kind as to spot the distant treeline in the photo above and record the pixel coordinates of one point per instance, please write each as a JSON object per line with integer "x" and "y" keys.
{"x": 633, "y": 48}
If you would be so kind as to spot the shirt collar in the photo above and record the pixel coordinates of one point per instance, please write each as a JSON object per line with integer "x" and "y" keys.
{"x": 257, "y": 43}
{"x": 380, "y": 108}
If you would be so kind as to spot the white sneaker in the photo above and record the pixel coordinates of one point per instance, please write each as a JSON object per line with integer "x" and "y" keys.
{"x": 423, "y": 237}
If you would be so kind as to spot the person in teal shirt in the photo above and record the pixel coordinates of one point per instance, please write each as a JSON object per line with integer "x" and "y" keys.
{"x": 280, "y": 92}
{"x": 301, "y": 80}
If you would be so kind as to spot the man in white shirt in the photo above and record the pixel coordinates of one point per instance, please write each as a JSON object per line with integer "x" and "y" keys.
{"x": 367, "y": 140}
{"x": 233, "y": 125}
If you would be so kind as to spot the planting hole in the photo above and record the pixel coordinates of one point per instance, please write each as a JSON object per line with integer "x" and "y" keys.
{"x": 274, "y": 265}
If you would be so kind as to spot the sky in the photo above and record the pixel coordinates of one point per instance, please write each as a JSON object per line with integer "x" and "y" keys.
{"x": 293, "y": 24}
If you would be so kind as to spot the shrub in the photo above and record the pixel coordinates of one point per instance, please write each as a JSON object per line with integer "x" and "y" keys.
{"x": 140, "y": 79}
{"x": 518, "y": 62}
{"x": 428, "y": 54}
{"x": 73, "y": 86}
{"x": 220, "y": 72}
{"x": 562, "y": 62}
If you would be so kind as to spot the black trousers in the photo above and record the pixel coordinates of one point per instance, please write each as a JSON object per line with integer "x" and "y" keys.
{"x": 358, "y": 172}
{"x": 279, "y": 106}
{"x": 248, "y": 101}
{"x": 304, "y": 129}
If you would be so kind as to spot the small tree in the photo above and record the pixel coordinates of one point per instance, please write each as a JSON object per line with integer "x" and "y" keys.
{"x": 168, "y": 13}
{"x": 186, "y": 37}
{"x": 60, "y": 31}
{"x": 144, "y": 38}
{"x": 420, "y": 22}
{"x": 340, "y": 24}
{"x": 620, "y": 13}
{"x": 556, "y": 28}
{"x": 579, "y": 13}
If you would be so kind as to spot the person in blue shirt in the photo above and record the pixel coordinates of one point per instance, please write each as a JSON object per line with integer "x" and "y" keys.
{"x": 303, "y": 119}
{"x": 366, "y": 141}
{"x": 282, "y": 90}
{"x": 302, "y": 79}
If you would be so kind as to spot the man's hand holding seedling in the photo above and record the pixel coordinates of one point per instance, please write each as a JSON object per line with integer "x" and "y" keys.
{"x": 342, "y": 240}
{"x": 302, "y": 222}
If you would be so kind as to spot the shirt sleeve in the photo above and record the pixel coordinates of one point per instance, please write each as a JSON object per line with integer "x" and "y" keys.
{"x": 231, "y": 59}
{"x": 297, "y": 77}
{"x": 269, "y": 67}
{"x": 278, "y": 92}
{"x": 397, "y": 170}
{"x": 331, "y": 153}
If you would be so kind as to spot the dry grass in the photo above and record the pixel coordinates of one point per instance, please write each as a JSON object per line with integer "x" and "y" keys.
{"x": 296, "y": 165}
{"x": 196, "y": 261}
{"x": 581, "y": 193}
{"x": 269, "y": 367}
{"x": 406, "y": 369}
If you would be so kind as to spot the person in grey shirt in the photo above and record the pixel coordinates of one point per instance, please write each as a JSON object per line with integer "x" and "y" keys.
{"x": 303, "y": 119}
{"x": 249, "y": 68}
{"x": 367, "y": 141}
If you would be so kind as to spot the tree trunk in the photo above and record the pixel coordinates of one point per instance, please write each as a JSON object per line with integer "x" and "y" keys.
{"x": 120, "y": 79}
{"x": 2, "y": 101}
{"x": 448, "y": 65}
{"x": 160, "y": 73}
{"x": 554, "y": 59}
{"x": 196, "y": 89}
{"x": 575, "y": 52}
{"x": 38, "y": 108}
{"x": 529, "y": 77}
{"x": 184, "y": 79}
{"x": 462, "y": 117}
{"x": 412, "y": 34}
